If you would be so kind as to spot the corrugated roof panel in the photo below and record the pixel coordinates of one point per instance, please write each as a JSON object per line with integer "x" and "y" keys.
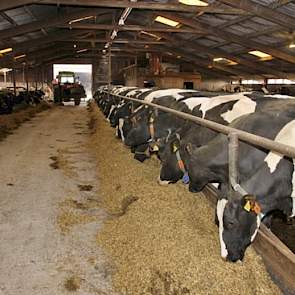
{"x": 268, "y": 39}
{"x": 4, "y": 24}
{"x": 211, "y": 19}
{"x": 206, "y": 42}
{"x": 239, "y": 30}
{"x": 232, "y": 47}
{"x": 19, "y": 15}
{"x": 261, "y": 21}
{"x": 288, "y": 9}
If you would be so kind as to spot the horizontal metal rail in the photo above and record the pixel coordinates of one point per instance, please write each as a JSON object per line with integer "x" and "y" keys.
{"x": 260, "y": 141}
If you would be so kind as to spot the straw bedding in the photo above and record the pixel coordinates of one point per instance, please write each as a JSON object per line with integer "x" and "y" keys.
{"x": 163, "y": 240}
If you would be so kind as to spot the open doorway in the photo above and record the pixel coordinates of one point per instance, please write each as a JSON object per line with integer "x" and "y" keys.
{"x": 82, "y": 71}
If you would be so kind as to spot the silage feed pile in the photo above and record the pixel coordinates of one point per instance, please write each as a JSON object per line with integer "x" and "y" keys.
{"x": 163, "y": 240}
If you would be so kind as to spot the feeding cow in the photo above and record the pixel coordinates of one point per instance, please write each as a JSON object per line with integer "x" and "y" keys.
{"x": 270, "y": 187}
{"x": 198, "y": 136}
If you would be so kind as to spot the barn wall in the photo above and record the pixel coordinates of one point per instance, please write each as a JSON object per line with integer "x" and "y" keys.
{"x": 213, "y": 85}
{"x": 136, "y": 77}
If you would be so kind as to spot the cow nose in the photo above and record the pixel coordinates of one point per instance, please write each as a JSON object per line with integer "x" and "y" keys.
{"x": 192, "y": 189}
{"x": 234, "y": 257}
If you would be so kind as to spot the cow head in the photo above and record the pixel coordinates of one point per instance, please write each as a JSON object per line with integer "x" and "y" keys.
{"x": 139, "y": 134}
{"x": 171, "y": 171}
{"x": 239, "y": 220}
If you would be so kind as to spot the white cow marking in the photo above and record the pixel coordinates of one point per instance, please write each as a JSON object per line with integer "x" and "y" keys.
{"x": 121, "y": 123}
{"x": 286, "y": 136}
{"x": 173, "y": 92}
{"x": 163, "y": 182}
{"x": 242, "y": 107}
{"x": 141, "y": 90}
{"x": 220, "y": 211}
{"x": 218, "y": 100}
{"x": 112, "y": 108}
{"x": 195, "y": 101}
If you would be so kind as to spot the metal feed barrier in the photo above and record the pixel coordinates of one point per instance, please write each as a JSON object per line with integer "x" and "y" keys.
{"x": 279, "y": 259}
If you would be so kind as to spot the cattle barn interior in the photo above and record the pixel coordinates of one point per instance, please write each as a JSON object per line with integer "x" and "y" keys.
{"x": 147, "y": 147}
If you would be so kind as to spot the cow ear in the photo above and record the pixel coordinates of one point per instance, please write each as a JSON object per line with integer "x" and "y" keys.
{"x": 189, "y": 148}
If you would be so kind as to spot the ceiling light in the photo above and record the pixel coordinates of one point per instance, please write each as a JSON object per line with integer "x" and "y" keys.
{"x": 166, "y": 21}
{"x": 193, "y": 2}
{"x": 6, "y": 50}
{"x": 82, "y": 50}
{"x": 262, "y": 55}
{"x": 292, "y": 45}
{"x": 80, "y": 19}
{"x": 225, "y": 61}
{"x": 19, "y": 56}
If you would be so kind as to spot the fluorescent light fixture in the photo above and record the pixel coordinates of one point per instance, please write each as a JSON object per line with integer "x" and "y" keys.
{"x": 80, "y": 19}
{"x": 166, "y": 21}
{"x": 218, "y": 59}
{"x": 193, "y": 2}
{"x": 262, "y": 55}
{"x": 82, "y": 50}
{"x": 19, "y": 56}
{"x": 6, "y": 50}
{"x": 225, "y": 61}
{"x": 292, "y": 45}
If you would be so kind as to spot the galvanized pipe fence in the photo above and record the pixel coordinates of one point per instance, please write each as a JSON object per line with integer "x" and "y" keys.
{"x": 234, "y": 136}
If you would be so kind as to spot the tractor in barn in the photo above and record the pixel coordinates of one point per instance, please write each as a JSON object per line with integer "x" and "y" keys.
{"x": 67, "y": 87}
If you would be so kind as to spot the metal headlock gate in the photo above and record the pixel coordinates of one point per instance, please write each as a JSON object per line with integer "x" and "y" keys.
{"x": 279, "y": 259}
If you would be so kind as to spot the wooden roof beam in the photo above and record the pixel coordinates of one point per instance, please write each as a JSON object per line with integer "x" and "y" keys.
{"x": 133, "y": 28}
{"x": 6, "y": 5}
{"x": 116, "y": 41}
{"x": 49, "y": 22}
{"x": 220, "y": 53}
{"x": 231, "y": 37}
{"x": 265, "y": 12}
{"x": 143, "y": 5}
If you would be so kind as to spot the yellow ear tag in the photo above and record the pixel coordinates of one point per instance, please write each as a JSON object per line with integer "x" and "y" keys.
{"x": 247, "y": 206}
{"x": 174, "y": 148}
{"x": 155, "y": 148}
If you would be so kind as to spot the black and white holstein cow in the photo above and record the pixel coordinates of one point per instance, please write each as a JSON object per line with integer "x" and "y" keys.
{"x": 126, "y": 107}
{"x": 143, "y": 130}
{"x": 176, "y": 155}
{"x": 113, "y": 101}
{"x": 270, "y": 187}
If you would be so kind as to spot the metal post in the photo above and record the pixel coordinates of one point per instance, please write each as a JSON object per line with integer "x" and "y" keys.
{"x": 233, "y": 155}
{"x": 135, "y": 72}
{"x": 109, "y": 70}
{"x": 14, "y": 81}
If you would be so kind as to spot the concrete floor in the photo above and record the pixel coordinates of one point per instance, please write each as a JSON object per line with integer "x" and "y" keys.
{"x": 36, "y": 257}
